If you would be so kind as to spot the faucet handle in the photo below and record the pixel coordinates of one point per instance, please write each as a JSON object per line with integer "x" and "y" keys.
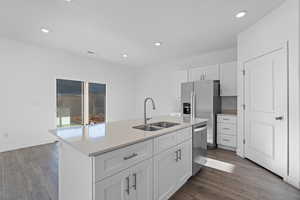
{"x": 148, "y": 118}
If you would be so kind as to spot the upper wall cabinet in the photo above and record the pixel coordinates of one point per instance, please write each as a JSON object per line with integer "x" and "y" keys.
{"x": 180, "y": 77}
{"x": 228, "y": 79}
{"x": 204, "y": 73}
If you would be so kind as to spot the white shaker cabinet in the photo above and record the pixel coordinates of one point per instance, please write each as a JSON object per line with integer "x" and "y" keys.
{"x": 142, "y": 181}
{"x": 184, "y": 165}
{"x": 134, "y": 183}
{"x": 115, "y": 187}
{"x": 165, "y": 172}
{"x": 226, "y": 131}
{"x": 172, "y": 169}
{"x": 153, "y": 169}
{"x": 228, "y": 79}
{"x": 226, "y": 73}
{"x": 212, "y": 73}
{"x": 204, "y": 73}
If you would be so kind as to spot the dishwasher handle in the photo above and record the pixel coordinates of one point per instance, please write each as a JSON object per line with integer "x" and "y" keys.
{"x": 199, "y": 129}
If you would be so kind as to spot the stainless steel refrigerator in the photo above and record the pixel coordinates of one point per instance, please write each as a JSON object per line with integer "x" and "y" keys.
{"x": 201, "y": 99}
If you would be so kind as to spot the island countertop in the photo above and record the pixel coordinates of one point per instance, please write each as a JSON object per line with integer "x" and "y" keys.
{"x": 96, "y": 139}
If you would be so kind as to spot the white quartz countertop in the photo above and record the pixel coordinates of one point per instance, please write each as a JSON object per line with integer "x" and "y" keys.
{"x": 97, "y": 139}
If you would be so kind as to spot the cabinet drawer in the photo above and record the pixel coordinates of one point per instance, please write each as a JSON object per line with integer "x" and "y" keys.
{"x": 227, "y": 140}
{"x": 226, "y": 119}
{"x": 164, "y": 142}
{"x": 169, "y": 140}
{"x": 115, "y": 161}
{"x": 184, "y": 134}
{"x": 228, "y": 129}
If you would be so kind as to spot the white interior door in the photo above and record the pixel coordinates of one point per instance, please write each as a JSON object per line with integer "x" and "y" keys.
{"x": 266, "y": 115}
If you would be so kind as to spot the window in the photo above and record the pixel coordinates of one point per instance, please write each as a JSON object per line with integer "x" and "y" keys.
{"x": 69, "y": 101}
{"x": 71, "y": 109}
{"x": 97, "y": 103}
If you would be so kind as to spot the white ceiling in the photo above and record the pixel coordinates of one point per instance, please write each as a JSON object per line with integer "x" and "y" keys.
{"x": 113, "y": 27}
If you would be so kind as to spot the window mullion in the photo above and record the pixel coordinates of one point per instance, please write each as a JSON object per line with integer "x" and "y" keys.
{"x": 86, "y": 103}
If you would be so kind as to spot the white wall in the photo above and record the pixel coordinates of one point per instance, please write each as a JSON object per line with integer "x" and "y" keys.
{"x": 28, "y": 103}
{"x": 163, "y": 82}
{"x": 272, "y": 31}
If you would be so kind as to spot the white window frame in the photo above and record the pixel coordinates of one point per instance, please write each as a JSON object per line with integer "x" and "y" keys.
{"x": 85, "y": 100}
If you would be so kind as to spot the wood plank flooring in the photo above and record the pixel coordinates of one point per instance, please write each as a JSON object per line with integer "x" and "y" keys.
{"x": 29, "y": 174}
{"x": 247, "y": 181}
{"x": 32, "y": 174}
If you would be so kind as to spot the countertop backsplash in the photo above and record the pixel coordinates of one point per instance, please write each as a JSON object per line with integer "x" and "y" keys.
{"x": 229, "y": 105}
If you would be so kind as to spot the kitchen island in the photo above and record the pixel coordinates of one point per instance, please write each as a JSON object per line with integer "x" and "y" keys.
{"x": 114, "y": 161}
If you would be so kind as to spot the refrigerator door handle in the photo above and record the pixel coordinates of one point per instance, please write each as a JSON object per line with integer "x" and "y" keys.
{"x": 191, "y": 97}
{"x": 192, "y": 106}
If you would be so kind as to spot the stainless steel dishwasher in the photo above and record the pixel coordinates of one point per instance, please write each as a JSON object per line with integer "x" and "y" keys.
{"x": 199, "y": 146}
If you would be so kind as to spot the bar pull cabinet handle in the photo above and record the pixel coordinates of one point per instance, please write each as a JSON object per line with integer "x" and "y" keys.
{"x": 179, "y": 154}
{"x": 200, "y": 129}
{"x": 176, "y": 152}
{"x": 135, "y": 181}
{"x": 131, "y": 156}
{"x": 192, "y": 106}
{"x": 193, "y": 99}
{"x": 279, "y": 118}
{"x": 128, "y": 185}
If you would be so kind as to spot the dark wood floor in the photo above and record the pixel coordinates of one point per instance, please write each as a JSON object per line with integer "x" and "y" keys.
{"x": 246, "y": 181}
{"x": 31, "y": 174}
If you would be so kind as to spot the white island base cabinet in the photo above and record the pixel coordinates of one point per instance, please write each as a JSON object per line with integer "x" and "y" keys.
{"x": 172, "y": 169}
{"x": 131, "y": 184}
{"x": 150, "y": 170}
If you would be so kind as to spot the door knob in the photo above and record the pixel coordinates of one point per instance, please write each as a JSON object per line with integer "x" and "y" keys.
{"x": 279, "y": 118}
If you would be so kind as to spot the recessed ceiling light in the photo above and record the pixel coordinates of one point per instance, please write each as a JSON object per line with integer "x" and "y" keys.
{"x": 90, "y": 52}
{"x": 68, "y": 0}
{"x": 241, "y": 14}
{"x": 157, "y": 44}
{"x": 44, "y": 30}
{"x": 125, "y": 55}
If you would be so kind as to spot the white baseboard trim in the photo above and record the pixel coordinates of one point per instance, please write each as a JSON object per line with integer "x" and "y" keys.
{"x": 48, "y": 141}
{"x": 240, "y": 153}
{"x": 292, "y": 181}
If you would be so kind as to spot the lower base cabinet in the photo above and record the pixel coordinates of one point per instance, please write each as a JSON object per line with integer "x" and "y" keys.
{"x": 184, "y": 166}
{"x": 113, "y": 187}
{"x": 135, "y": 183}
{"x": 151, "y": 170}
{"x": 172, "y": 168}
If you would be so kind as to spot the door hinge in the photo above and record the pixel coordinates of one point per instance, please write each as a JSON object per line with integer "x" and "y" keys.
{"x": 244, "y": 106}
{"x": 244, "y": 141}
{"x": 244, "y": 72}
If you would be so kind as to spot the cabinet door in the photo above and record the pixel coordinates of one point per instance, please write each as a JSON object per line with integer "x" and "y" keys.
{"x": 142, "y": 181}
{"x": 165, "y": 174}
{"x": 179, "y": 78}
{"x": 211, "y": 72}
{"x": 114, "y": 187}
{"x": 204, "y": 73}
{"x": 228, "y": 79}
{"x": 184, "y": 165}
{"x": 196, "y": 74}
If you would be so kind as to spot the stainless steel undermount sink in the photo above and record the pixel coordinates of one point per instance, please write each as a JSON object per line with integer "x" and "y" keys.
{"x": 164, "y": 124}
{"x": 155, "y": 126}
{"x": 147, "y": 127}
